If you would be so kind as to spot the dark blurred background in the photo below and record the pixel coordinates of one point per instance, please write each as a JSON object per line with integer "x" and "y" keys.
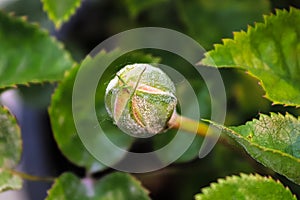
{"x": 96, "y": 20}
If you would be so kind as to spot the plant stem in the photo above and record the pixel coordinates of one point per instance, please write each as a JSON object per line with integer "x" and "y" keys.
{"x": 189, "y": 125}
{"x": 192, "y": 126}
{"x": 30, "y": 177}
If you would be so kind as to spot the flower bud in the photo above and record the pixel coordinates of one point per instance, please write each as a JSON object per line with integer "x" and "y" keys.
{"x": 141, "y": 100}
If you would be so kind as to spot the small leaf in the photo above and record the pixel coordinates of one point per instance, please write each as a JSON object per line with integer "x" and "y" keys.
{"x": 114, "y": 186}
{"x": 10, "y": 140}
{"x": 10, "y": 150}
{"x": 68, "y": 187}
{"x": 60, "y": 11}
{"x": 270, "y": 52}
{"x": 61, "y": 114}
{"x": 136, "y": 6}
{"x": 120, "y": 186}
{"x": 208, "y": 22}
{"x": 28, "y": 54}
{"x": 9, "y": 181}
{"x": 246, "y": 187}
{"x": 273, "y": 141}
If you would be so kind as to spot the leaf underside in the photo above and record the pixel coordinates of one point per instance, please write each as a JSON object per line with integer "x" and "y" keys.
{"x": 28, "y": 54}
{"x": 246, "y": 187}
{"x": 268, "y": 51}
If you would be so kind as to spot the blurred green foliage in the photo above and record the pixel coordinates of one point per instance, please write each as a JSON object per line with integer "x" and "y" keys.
{"x": 205, "y": 21}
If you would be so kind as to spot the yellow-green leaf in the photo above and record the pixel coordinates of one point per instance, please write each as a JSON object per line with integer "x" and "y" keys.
{"x": 60, "y": 11}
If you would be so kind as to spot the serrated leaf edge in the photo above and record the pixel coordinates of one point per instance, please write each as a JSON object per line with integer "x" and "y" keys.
{"x": 36, "y": 27}
{"x": 261, "y": 147}
{"x": 58, "y": 22}
{"x": 208, "y": 61}
{"x": 241, "y": 176}
{"x": 253, "y": 144}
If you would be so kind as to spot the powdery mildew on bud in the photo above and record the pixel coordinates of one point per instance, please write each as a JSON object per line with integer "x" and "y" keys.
{"x": 141, "y": 100}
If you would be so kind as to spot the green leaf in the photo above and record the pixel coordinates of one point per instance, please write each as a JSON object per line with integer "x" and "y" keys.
{"x": 60, "y": 11}
{"x": 209, "y": 21}
{"x": 68, "y": 187}
{"x": 61, "y": 114}
{"x": 273, "y": 141}
{"x": 8, "y": 181}
{"x": 28, "y": 54}
{"x": 63, "y": 126}
{"x": 137, "y": 6}
{"x": 118, "y": 185}
{"x": 270, "y": 52}
{"x": 10, "y": 150}
{"x": 246, "y": 187}
{"x": 10, "y": 140}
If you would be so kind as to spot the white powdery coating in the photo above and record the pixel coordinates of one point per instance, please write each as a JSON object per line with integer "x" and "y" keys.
{"x": 152, "y": 103}
{"x": 113, "y": 83}
{"x": 156, "y": 116}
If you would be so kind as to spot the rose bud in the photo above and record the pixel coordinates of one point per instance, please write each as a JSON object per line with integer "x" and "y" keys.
{"x": 141, "y": 100}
